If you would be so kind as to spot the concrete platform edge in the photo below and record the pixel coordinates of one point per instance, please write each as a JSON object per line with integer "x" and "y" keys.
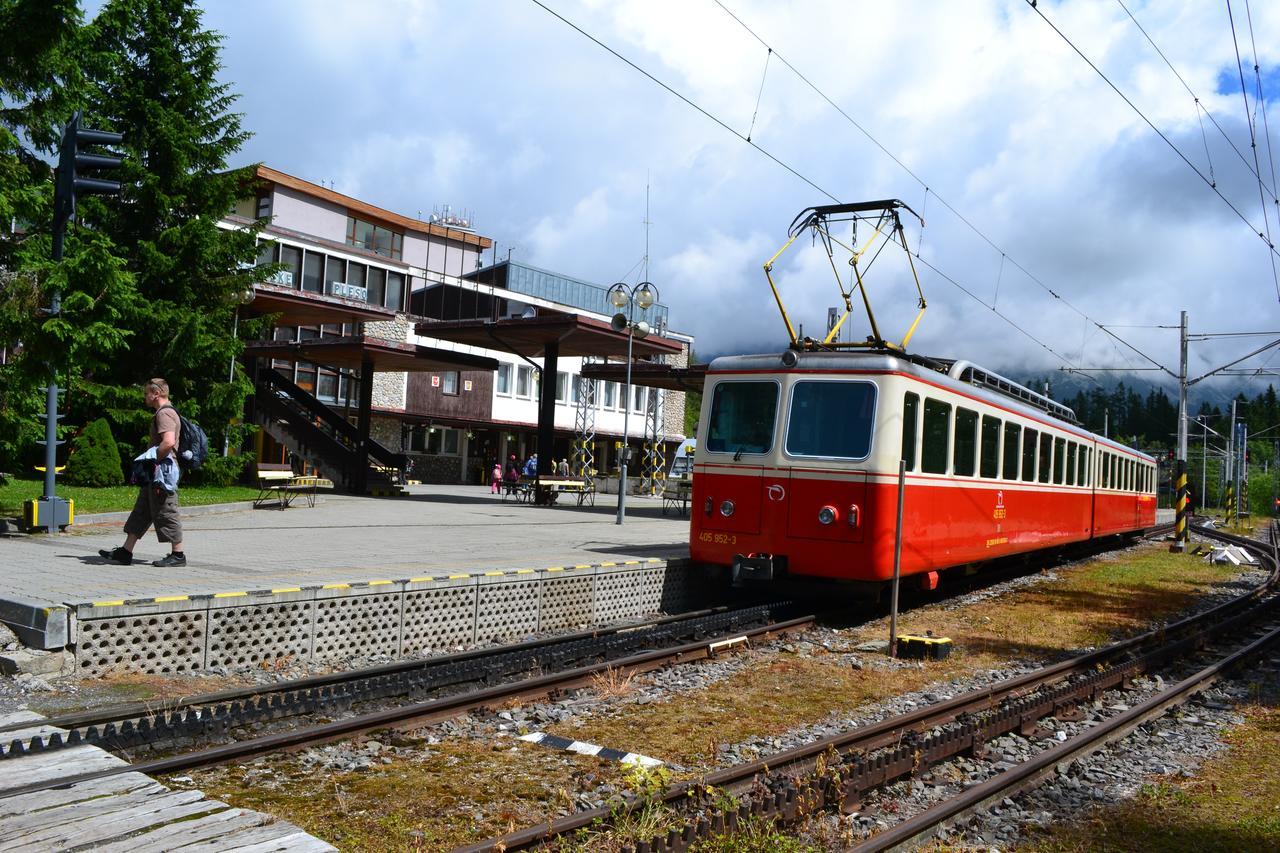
{"x": 38, "y": 624}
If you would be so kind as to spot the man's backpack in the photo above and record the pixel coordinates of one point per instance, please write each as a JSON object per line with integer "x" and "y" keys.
{"x": 193, "y": 444}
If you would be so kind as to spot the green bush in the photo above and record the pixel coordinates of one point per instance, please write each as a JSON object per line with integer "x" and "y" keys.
{"x": 95, "y": 458}
{"x": 219, "y": 471}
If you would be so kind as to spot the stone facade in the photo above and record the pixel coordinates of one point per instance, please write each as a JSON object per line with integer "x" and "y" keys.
{"x": 385, "y": 431}
{"x": 390, "y": 388}
{"x": 673, "y": 407}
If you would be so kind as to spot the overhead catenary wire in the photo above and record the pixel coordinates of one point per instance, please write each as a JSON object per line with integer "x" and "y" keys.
{"x": 725, "y": 126}
{"x": 1201, "y": 110}
{"x": 1253, "y": 137}
{"x": 773, "y": 52}
{"x": 1270, "y": 246}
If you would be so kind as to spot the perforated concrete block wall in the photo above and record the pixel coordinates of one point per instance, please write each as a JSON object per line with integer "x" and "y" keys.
{"x": 153, "y": 639}
{"x": 508, "y": 609}
{"x": 619, "y": 594}
{"x": 360, "y": 624}
{"x": 567, "y": 600}
{"x": 258, "y": 633}
{"x": 439, "y": 616}
{"x": 391, "y": 619}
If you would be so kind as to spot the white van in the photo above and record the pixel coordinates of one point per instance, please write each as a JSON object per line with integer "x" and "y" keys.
{"x": 682, "y": 464}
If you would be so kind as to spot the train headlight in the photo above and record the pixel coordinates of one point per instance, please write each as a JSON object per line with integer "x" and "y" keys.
{"x": 827, "y": 515}
{"x": 727, "y": 508}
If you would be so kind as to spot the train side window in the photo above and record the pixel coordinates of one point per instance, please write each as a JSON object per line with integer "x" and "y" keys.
{"x": 1105, "y": 481}
{"x": 937, "y": 435}
{"x": 989, "y": 466}
{"x": 1088, "y": 466}
{"x": 1046, "y": 456}
{"x": 910, "y": 427}
{"x": 1029, "y": 454}
{"x": 966, "y": 446}
{"x": 1071, "y": 463}
{"x": 1129, "y": 480}
{"x": 1012, "y": 432}
{"x": 831, "y": 420}
{"x": 1059, "y": 459}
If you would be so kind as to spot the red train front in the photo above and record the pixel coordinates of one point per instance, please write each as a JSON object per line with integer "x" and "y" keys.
{"x": 798, "y": 458}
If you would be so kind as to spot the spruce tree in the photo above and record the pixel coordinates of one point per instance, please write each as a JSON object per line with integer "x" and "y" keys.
{"x": 153, "y": 74}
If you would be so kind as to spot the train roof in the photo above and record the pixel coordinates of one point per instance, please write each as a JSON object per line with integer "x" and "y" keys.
{"x": 963, "y": 374}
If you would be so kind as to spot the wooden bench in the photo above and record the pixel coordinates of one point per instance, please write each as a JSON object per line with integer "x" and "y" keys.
{"x": 676, "y": 496}
{"x": 278, "y": 485}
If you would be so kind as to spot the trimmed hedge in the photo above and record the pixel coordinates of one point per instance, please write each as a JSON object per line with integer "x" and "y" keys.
{"x": 95, "y": 458}
{"x": 219, "y": 470}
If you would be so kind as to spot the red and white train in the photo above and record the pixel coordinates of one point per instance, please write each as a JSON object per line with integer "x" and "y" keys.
{"x": 798, "y": 456}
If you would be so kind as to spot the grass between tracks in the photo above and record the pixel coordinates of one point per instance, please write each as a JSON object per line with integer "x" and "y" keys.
{"x": 464, "y": 791}
{"x": 1233, "y": 803}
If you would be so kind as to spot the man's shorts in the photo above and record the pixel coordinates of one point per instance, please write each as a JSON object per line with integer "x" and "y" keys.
{"x": 159, "y": 507}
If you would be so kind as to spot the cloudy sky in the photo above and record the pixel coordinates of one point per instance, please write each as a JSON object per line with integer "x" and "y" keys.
{"x": 1040, "y": 177}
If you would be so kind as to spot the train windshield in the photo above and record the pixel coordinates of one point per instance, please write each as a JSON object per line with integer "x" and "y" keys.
{"x": 831, "y": 419}
{"x": 742, "y": 417}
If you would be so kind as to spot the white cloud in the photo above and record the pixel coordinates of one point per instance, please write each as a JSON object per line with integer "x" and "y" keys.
{"x": 501, "y": 108}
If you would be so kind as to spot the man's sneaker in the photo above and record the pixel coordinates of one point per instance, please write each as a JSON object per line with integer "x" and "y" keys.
{"x": 173, "y": 558}
{"x": 117, "y": 555}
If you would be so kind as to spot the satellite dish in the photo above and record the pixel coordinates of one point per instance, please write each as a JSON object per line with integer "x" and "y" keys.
{"x": 619, "y": 322}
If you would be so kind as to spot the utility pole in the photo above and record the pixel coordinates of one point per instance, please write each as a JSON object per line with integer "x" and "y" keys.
{"x": 1180, "y": 533}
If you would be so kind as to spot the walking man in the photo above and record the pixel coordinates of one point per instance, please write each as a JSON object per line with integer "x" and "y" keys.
{"x": 157, "y": 501}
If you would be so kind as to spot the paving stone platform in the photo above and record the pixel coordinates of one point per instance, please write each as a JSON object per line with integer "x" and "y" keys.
{"x": 439, "y": 568}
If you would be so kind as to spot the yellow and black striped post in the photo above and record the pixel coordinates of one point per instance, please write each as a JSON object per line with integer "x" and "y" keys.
{"x": 1181, "y": 504}
{"x": 1231, "y": 503}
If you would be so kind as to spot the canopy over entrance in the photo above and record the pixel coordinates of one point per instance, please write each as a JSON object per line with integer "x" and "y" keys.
{"x": 549, "y": 336}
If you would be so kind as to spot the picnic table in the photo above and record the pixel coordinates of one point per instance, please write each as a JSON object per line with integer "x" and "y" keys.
{"x": 583, "y": 488}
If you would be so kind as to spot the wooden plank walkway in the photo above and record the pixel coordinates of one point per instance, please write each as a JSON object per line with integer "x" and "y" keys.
{"x": 130, "y": 812}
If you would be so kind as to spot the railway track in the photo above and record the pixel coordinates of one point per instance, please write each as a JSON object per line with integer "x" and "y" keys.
{"x": 528, "y": 670}
{"x": 835, "y": 773}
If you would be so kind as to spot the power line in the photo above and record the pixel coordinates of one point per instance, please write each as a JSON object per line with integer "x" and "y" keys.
{"x": 673, "y": 92}
{"x": 1271, "y": 247}
{"x": 797, "y": 174}
{"x": 773, "y": 52}
{"x": 1200, "y": 108}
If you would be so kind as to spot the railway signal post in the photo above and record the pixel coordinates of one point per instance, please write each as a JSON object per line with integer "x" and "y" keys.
{"x": 50, "y": 511}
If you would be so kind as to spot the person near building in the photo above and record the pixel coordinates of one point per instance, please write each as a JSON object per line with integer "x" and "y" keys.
{"x": 563, "y": 469}
{"x": 495, "y": 478}
{"x": 157, "y": 502}
{"x": 513, "y": 471}
{"x": 531, "y": 467}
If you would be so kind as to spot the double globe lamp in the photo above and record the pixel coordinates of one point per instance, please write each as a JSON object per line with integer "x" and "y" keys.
{"x": 626, "y": 300}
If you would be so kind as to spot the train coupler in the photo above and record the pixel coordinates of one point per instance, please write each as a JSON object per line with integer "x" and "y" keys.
{"x": 753, "y": 567}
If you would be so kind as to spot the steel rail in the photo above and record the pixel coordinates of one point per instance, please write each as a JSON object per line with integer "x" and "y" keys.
{"x": 409, "y": 716}
{"x": 116, "y": 713}
{"x": 139, "y": 726}
{"x": 894, "y": 730}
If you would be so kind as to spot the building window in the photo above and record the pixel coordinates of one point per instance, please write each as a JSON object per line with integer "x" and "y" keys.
{"x": 313, "y": 272}
{"x": 504, "y": 380}
{"x": 374, "y": 238}
{"x": 638, "y": 393}
{"x": 449, "y": 382}
{"x": 610, "y": 394}
{"x": 395, "y": 291}
{"x": 575, "y": 383}
{"x": 562, "y": 387}
{"x": 264, "y": 207}
{"x": 524, "y": 381}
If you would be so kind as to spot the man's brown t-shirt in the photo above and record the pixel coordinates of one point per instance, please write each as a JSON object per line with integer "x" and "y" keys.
{"x": 165, "y": 420}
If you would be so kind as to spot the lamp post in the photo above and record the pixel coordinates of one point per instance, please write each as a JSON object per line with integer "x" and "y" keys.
{"x": 621, "y": 296}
